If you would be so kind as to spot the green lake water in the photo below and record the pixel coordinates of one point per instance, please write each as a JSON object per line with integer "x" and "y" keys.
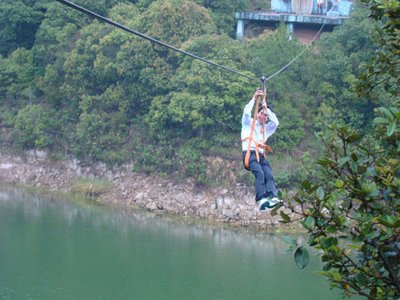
{"x": 53, "y": 249}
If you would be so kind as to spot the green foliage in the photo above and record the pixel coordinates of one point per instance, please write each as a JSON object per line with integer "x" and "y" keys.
{"x": 203, "y": 101}
{"x": 56, "y": 33}
{"x": 78, "y": 66}
{"x": 381, "y": 78}
{"x": 19, "y": 20}
{"x": 102, "y": 94}
{"x": 352, "y": 213}
{"x": 263, "y": 5}
{"x": 341, "y": 56}
{"x": 102, "y": 128}
{"x": 176, "y": 21}
{"x": 290, "y": 170}
{"x": 124, "y": 13}
{"x": 224, "y": 13}
{"x": 35, "y": 125}
{"x": 17, "y": 77}
{"x": 104, "y": 83}
{"x": 150, "y": 159}
{"x": 301, "y": 257}
{"x": 192, "y": 162}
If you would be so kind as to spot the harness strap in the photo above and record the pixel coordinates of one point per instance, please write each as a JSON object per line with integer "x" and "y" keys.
{"x": 250, "y": 137}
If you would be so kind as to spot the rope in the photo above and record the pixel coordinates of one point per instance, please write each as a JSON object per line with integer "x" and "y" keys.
{"x": 149, "y": 38}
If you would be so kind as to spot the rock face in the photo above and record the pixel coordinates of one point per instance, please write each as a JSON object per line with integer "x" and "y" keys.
{"x": 234, "y": 205}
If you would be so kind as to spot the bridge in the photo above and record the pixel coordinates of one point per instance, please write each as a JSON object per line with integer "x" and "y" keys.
{"x": 300, "y": 18}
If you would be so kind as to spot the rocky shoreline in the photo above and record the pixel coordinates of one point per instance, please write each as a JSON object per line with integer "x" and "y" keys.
{"x": 232, "y": 205}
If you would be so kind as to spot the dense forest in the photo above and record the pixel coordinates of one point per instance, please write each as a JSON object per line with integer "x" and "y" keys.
{"x": 79, "y": 88}
{"x": 74, "y": 86}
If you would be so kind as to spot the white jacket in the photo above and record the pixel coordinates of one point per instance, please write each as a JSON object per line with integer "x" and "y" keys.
{"x": 269, "y": 128}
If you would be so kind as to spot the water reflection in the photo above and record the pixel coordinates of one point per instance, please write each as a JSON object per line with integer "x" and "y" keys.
{"x": 52, "y": 249}
{"x": 123, "y": 220}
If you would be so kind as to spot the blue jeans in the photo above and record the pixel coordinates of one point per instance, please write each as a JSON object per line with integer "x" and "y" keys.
{"x": 262, "y": 171}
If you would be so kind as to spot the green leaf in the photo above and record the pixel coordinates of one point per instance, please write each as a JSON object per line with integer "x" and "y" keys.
{"x": 325, "y": 162}
{"x": 380, "y": 120}
{"x": 331, "y": 229}
{"x": 289, "y": 240}
{"x": 327, "y": 267}
{"x": 385, "y": 111}
{"x": 371, "y": 171}
{"x": 354, "y": 246}
{"x": 309, "y": 223}
{"x": 354, "y": 157}
{"x": 320, "y": 193}
{"x": 354, "y": 138}
{"x": 397, "y": 224}
{"x": 298, "y": 200}
{"x": 339, "y": 183}
{"x": 391, "y": 128}
{"x": 327, "y": 242}
{"x": 301, "y": 257}
{"x": 336, "y": 276}
{"x": 343, "y": 160}
{"x": 362, "y": 169}
{"x": 306, "y": 185}
{"x": 361, "y": 279}
{"x": 388, "y": 221}
{"x": 313, "y": 241}
{"x": 274, "y": 211}
{"x": 284, "y": 217}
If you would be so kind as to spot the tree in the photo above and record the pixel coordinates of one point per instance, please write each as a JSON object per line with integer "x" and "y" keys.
{"x": 340, "y": 59}
{"x": 382, "y": 75}
{"x": 102, "y": 127}
{"x": 124, "y": 13}
{"x": 17, "y": 77}
{"x": 56, "y": 34}
{"x": 175, "y": 21}
{"x": 203, "y": 101}
{"x": 19, "y": 21}
{"x": 36, "y": 126}
{"x": 97, "y": 77}
{"x": 224, "y": 13}
{"x": 352, "y": 213}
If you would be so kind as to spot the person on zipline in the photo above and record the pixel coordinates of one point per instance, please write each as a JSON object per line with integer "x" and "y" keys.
{"x": 266, "y": 191}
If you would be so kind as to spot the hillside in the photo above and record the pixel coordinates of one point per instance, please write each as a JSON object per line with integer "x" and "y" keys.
{"x": 85, "y": 89}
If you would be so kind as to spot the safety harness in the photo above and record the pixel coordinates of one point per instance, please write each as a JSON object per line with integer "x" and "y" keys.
{"x": 250, "y": 138}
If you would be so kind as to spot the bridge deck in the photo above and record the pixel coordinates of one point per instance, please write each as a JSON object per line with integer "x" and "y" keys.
{"x": 291, "y": 18}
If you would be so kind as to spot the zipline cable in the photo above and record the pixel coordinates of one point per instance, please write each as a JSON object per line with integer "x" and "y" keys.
{"x": 153, "y": 40}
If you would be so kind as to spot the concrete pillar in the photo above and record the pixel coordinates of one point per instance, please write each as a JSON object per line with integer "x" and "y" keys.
{"x": 290, "y": 30}
{"x": 240, "y": 29}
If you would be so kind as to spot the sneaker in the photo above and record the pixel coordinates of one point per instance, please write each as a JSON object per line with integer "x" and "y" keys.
{"x": 274, "y": 202}
{"x": 265, "y": 203}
